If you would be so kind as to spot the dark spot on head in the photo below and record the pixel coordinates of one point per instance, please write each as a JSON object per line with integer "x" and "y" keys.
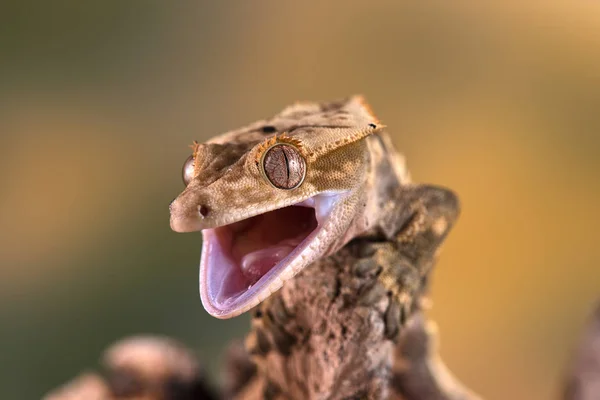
{"x": 389, "y": 293}
{"x": 269, "y": 129}
{"x": 203, "y": 211}
{"x": 373, "y": 126}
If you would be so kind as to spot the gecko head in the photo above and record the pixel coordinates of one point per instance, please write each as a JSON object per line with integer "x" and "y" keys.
{"x": 270, "y": 205}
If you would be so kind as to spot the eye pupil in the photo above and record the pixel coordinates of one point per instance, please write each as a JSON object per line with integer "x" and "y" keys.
{"x": 187, "y": 172}
{"x": 284, "y": 167}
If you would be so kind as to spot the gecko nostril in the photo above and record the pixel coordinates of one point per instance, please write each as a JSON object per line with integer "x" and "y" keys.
{"x": 202, "y": 211}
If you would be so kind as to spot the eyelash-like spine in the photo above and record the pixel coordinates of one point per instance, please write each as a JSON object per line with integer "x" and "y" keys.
{"x": 283, "y": 138}
{"x": 195, "y": 146}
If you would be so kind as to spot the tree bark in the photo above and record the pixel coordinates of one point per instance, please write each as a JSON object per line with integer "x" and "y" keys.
{"x": 333, "y": 332}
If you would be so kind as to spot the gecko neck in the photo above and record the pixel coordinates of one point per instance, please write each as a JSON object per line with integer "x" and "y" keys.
{"x": 387, "y": 176}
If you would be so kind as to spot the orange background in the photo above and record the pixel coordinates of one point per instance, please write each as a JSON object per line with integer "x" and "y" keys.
{"x": 99, "y": 101}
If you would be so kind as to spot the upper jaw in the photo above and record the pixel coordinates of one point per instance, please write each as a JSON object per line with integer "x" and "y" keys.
{"x": 188, "y": 214}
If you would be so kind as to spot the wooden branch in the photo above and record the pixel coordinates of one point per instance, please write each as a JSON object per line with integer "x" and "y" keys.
{"x": 332, "y": 333}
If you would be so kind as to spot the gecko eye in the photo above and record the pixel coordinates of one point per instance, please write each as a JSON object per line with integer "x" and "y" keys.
{"x": 187, "y": 172}
{"x": 283, "y": 166}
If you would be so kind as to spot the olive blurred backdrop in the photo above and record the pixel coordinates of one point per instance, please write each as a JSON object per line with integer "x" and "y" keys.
{"x": 99, "y": 101}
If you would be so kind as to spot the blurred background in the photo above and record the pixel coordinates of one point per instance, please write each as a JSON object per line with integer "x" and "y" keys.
{"x": 100, "y": 100}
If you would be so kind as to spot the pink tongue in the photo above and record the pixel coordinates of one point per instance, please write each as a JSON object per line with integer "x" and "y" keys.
{"x": 254, "y": 265}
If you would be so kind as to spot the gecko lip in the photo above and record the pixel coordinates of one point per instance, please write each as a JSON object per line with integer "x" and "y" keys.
{"x": 243, "y": 260}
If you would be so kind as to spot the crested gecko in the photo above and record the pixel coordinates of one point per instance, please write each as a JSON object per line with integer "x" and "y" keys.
{"x": 310, "y": 219}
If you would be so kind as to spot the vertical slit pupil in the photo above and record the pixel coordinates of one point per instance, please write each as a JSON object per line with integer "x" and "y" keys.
{"x": 284, "y": 167}
{"x": 287, "y": 166}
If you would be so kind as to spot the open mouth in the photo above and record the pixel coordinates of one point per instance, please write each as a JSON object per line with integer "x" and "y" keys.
{"x": 241, "y": 259}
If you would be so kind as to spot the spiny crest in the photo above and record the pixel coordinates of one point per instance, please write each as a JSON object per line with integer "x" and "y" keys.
{"x": 360, "y": 99}
{"x": 340, "y": 123}
{"x": 283, "y": 138}
{"x": 342, "y": 137}
{"x": 195, "y": 146}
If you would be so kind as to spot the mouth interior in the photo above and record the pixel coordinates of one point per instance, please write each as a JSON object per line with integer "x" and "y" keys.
{"x": 254, "y": 246}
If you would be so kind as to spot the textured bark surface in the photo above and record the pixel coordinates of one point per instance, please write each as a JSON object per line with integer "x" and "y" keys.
{"x": 324, "y": 334}
{"x": 280, "y": 366}
{"x": 334, "y": 332}
{"x": 331, "y": 333}
{"x": 348, "y": 327}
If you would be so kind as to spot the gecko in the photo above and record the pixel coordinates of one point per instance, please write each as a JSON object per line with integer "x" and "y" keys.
{"x": 314, "y": 200}
{"x": 311, "y": 223}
